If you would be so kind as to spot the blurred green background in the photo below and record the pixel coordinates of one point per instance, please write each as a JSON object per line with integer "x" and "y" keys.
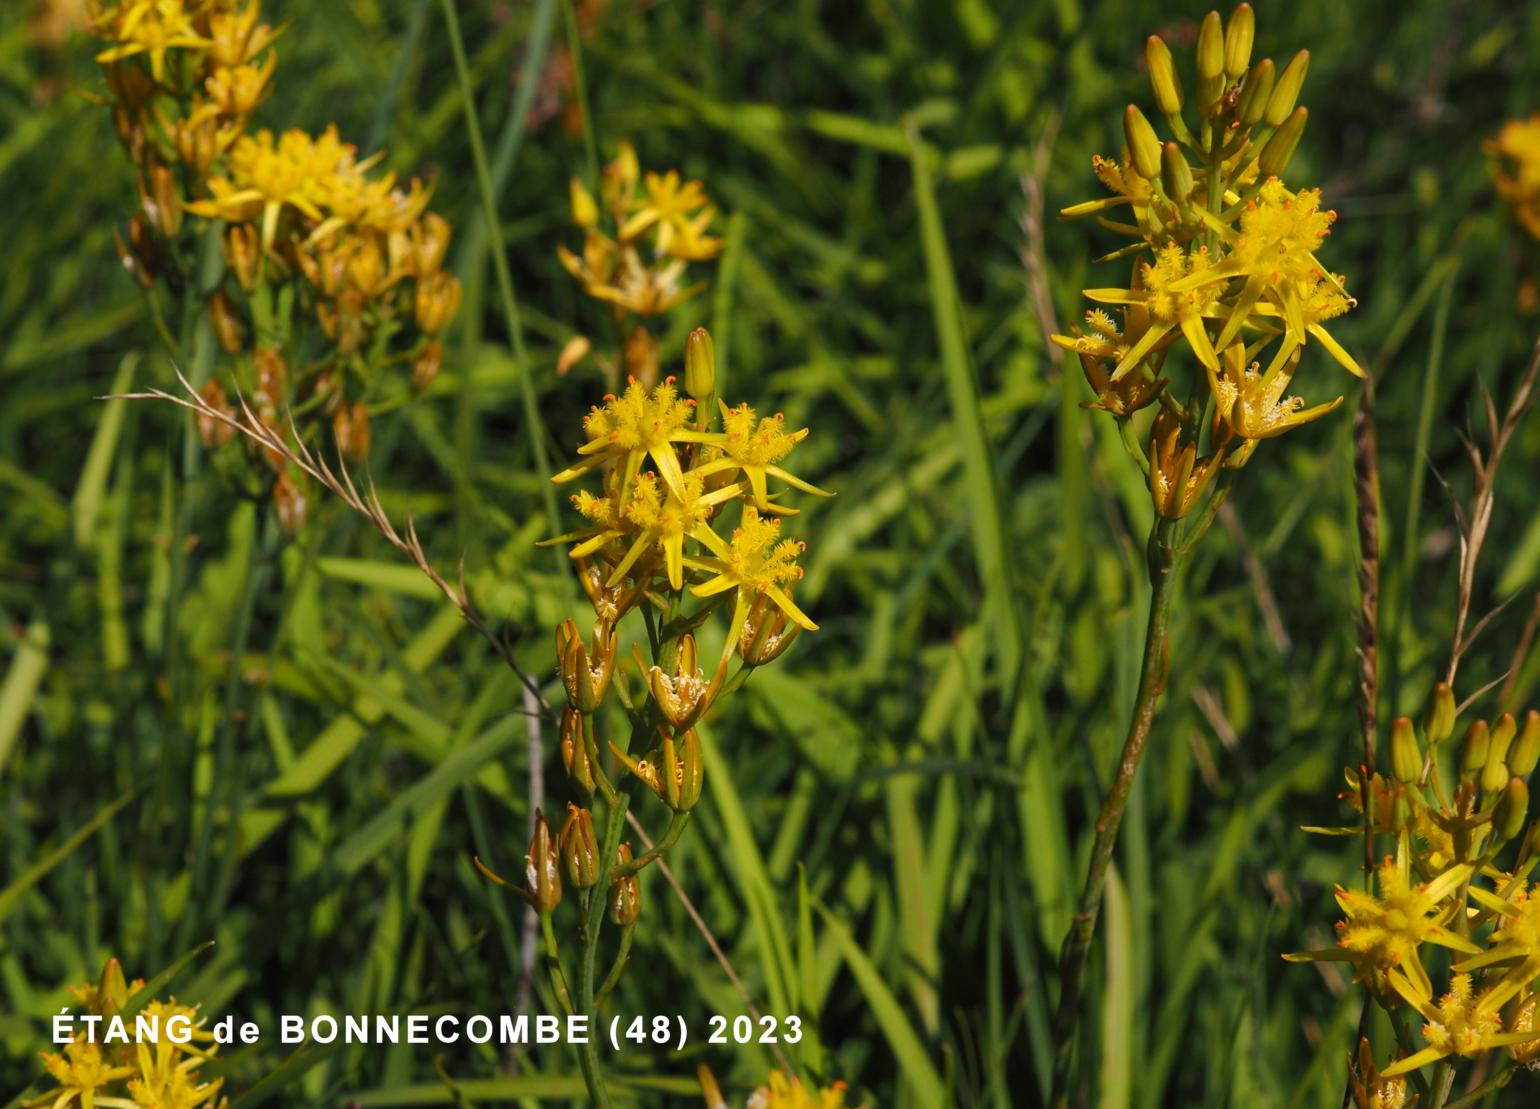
{"x": 932, "y": 758}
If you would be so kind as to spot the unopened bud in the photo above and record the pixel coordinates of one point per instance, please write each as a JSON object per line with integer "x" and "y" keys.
{"x": 1211, "y": 47}
{"x": 1503, "y": 733}
{"x": 700, "y": 365}
{"x": 1163, "y": 79}
{"x": 1405, "y": 758}
{"x": 1438, "y": 718}
{"x": 350, "y": 425}
{"x": 692, "y": 771}
{"x": 1525, "y": 752}
{"x": 243, "y": 254}
{"x": 1473, "y": 752}
{"x": 625, "y": 897}
{"x": 585, "y": 213}
{"x": 579, "y": 848}
{"x": 1286, "y": 90}
{"x": 112, "y": 993}
{"x": 1256, "y": 90}
{"x": 1280, "y": 148}
{"x": 1175, "y": 174}
{"x": 438, "y": 299}
{"x": 542, "y": 869}
{"x": 292, "y": 503}
{"x": 1512, "y": 809}
{"x": 212, "y": 431}
{"x": 1143, "y": 146}
{"x": 1238, "y": 37}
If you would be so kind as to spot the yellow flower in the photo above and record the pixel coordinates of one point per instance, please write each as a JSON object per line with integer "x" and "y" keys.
{"x": 1462, "y": 1023}
{"x": 266, "y": 177}
{"x": 666, "y": 518}
{"x": 148, "y": 27}
{"x": 1515, "y": 941}
{"x": 1253, "y": 404}
{"x": 1168, "y": 291}
{"x": 1516, "y": 170}
{"x": 1384, "y": 932}
{"x": 236, "y": 38}
{"x": 82, "y": 1073}
{"x": 756, "y": 563}
{"x": 780, "y": 1092}
{"x": 615, "y": 273}
{"x": 754, "y": 446}
{"x": 638, "y": 424}
{"x": 239, "y": 89}
{"x": 668, "y": 206}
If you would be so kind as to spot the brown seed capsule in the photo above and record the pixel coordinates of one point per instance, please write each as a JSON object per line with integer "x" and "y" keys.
{"x": 767, "y": 633}
{"x": 292, "y": 502}
{"x": 692, "y": 771}
{"x": 542, "y": 868}
{"x": 227, "y": 324}
{"x": 243, "y": 254}
{"x": 351, "y": 427}
{"x": 585, "y": 672}
{"x": 683, "y": 696}
{"x": 574, "y": 752}
{"x": 162, "y": 201}
{"x": 438, "y": 299}
{"x": 214, "y": 433}
{"x": 426, "y": 365}
{"x": 579, "y": 848}
{"x": 625, "y": 896}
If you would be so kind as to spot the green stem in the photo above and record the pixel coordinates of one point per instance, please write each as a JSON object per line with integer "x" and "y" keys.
{"x": 553, "y": 963}
{"x": 593, "y": 909}
{"x": 580, "y": 83}
{"x": 619, "y": 965}
{"x": 1163, "y": 559}
{"x": 533, "y": 427}
{"x": 671, "y": 836}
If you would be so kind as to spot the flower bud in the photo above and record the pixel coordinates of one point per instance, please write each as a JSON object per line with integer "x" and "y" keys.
{"x": 579, "y": 848}
{"x": 1175, "y": 174}
{"x": 1163, "y": 79}
{"x": 1438, "y": 718}
{"x": 430, "y": 241}
{"x": 700, "y": 365}
{"x": 1494, "y": 775}
{"x": 1238, "y": 38}
{"x": 1143, "y": 146}
{"x": 692, "y": 771}
{"x": 625, "y": 897}
{"x": 227, "y": 325}
{"x": 1211, "y": 47}
{"x": 1405, "y": 758}
{"x": 1503, "y": 733}
{"x": 1525, "y": 752}
{"x": 585, "y": 213}
{"x": 585, "y": 674}
{"x": 1512, "y": 810}
{"x": 112, "y": 992}
{"x": 1286, "y": 90}
{"x": 162, "y": 201}
{"x": 542, "y": 869}
{"x": 1473, "y": 752}
{"x": 1280, "y": 148}
{"x": 1255, "y": 92}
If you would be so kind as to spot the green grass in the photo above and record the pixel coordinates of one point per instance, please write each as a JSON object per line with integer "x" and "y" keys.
{"x": 294, "y": 749}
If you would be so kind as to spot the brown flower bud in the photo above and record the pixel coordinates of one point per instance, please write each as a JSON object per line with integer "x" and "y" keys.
{"x": 542, "y": 868}
{"x": 438, "y": 299}
{"x": 351, "y": 427}
{"x": 685, "y": 695}
{"x": 625, "y": 897}
{"x": 579, "y": 848}
{"x": 227, "y": 324}
{"x": 243, "y": 254}
{"x": 291, "y": 501}
{"x": 585, "y": 672}
{"x": 767, "y": 632}
{"x": 426, "y": 365}
{"x": 212, "y": 432}
{"x": 574, "y": 751}
{"x": 430, "y": 238}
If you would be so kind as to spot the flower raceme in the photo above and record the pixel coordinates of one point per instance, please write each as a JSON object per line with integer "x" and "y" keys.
{"x": 1454, "y": 815}
{"x": 1225, "y": 264}
{"x": 1515, "y": 154}
{"x": 333, "y": 270}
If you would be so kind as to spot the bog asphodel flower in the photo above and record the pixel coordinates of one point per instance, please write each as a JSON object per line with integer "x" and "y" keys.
{"x": 1226, "y": 271}
{"x": 1515, "y": 154}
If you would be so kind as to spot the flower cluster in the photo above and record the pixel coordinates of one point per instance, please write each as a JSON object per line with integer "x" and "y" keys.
{"x": 1225, "y": 267}
{"x": 656, "y": 226}
{"x": 1515, "y": 156}
{"x": 1453, "y": 885}
{"x": 332, "y": 269}
{"x": 151, "y": 1062}
{"x": 777, "y": 1092}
